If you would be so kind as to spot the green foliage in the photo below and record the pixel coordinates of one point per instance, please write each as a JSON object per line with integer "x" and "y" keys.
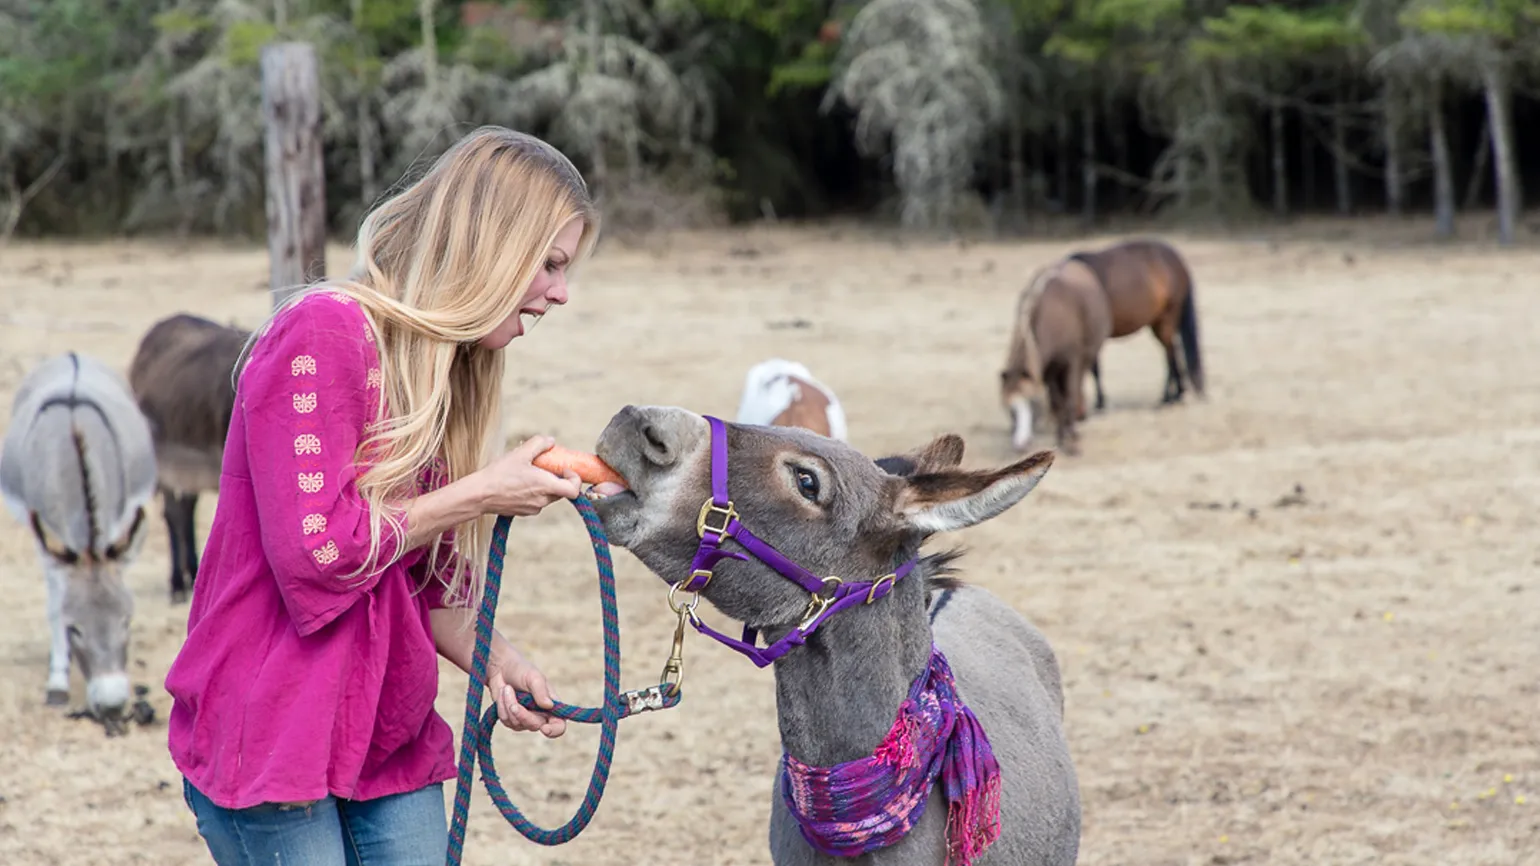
{"x": 1128, "y": 16}
{"x": 157, "y": 104}
{"x": 485, "y": 49}
{"x": 1277, "y": 34}
{"x": 67, "y": 52}
{"x": 181, "y": 23}
{"x": 812, "y": 69}
{"x": 1035, "y": 15}
{"x": 1505, "y": 20}
{"x": 244, "y": 41}
{"x": 773, "y": 17}
{"x": 1098, "y": 29}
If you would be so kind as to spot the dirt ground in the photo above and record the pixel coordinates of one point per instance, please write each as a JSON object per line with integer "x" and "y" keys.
{"x": 1342, "y": 676}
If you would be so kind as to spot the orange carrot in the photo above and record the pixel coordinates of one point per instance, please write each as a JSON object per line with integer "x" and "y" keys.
{"x": 587, "y": 466}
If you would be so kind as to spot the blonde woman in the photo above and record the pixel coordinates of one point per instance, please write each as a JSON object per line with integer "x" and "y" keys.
{"x": 358, "y": 491}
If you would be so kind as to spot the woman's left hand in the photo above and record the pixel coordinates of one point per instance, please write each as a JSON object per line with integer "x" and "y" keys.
{"x": 518, "y": 674}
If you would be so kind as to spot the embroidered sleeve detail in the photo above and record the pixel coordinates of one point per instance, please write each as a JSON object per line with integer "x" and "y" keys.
{"x": 326, "y": 555}
{"x": 304, "y": 401}
{"x": 307, "y": 443}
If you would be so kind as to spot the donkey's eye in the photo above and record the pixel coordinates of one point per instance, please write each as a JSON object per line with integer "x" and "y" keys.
{"x": 807, "y": 485}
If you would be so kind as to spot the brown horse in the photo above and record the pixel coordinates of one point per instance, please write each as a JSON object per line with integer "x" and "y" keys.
{"x": 1062, "y": 319}
{"x": 1148, "y": 284}
{"x": 183, "y": 376}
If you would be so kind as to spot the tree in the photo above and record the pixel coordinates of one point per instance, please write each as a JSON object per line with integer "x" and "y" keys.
{"x": 608, "y": 96}
{"x": 1102, "y": 46}
{"x": 915, "y": 71}
{"x": 1490, "y": 35}
{"x": 1266, "y": 48}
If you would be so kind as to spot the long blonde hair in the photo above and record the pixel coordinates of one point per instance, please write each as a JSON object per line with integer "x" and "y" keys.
{"x": 439, "y": 266}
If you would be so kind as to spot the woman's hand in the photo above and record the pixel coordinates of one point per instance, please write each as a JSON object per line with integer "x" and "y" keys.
{"x": 517, "y": 674}
{"x": 513, "y": 485}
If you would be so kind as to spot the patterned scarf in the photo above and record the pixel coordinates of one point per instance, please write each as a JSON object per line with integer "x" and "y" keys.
{"x": 849, "y": 809}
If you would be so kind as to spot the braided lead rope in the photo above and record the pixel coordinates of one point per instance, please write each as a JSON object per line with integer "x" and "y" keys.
{"x": 476, "y": 736}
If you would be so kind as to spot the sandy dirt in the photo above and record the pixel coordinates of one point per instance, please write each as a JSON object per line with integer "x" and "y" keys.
{"x": 1340, "y": 677}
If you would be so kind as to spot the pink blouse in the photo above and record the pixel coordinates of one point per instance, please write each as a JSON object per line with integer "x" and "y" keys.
{"x": 296, "y": 681}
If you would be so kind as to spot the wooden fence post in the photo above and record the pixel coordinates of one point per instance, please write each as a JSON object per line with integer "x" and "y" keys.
{"x": 296, "y": 177}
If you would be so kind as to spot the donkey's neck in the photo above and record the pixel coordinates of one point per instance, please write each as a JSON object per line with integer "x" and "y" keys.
{"x": 838, "y": 694}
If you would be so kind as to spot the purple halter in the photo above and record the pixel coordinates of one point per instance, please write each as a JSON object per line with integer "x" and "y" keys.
{"x": 718, "y": 521}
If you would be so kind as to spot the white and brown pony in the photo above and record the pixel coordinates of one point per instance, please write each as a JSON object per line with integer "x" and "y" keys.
{"x": 782, "y": 393}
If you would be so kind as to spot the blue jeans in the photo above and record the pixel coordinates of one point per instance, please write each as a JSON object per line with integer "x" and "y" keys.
{"x": 400, "y": 830}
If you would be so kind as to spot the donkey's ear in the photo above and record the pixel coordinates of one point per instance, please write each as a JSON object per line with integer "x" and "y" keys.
{"x": 943, "y": 452}
{"x": 951, "y": 499}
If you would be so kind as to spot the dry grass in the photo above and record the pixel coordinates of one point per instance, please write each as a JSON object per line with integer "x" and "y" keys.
{"x": 1248, "y": 680}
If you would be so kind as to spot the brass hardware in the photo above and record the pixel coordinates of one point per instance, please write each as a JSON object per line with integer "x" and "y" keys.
{"x": 729, "y": 514}
{"x": 889, "y": 579}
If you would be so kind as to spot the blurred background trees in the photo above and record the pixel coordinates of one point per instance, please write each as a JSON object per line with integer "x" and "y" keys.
{"x": 144, "y": 117}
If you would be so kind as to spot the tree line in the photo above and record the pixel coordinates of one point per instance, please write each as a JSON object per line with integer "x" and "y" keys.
{"x": 144, "y": 117}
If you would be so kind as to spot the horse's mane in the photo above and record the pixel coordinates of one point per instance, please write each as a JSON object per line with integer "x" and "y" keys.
{"x": 1024, "y": 355}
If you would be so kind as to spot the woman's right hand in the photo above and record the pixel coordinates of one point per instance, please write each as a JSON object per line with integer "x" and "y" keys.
{"x": 512, "y": 485}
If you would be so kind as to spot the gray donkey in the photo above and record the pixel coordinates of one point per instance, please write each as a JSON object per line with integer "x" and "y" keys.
{"x": 800, "y": 507}
{"x": 78, "y": 467}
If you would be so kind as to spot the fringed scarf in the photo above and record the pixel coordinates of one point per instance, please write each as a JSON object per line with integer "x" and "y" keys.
{"x": 849, "y": 809}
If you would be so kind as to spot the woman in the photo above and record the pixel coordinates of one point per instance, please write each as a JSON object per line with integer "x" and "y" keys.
{"x": 355, "y": 509}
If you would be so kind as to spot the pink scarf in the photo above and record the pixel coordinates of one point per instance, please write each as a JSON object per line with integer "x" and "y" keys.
{"x": 869, "y": 803}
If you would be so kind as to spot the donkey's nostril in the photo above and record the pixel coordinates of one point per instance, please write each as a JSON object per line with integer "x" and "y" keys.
{"x": 654, "y": 441}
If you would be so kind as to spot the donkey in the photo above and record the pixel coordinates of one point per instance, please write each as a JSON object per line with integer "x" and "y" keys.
{"x": 783, "y": 393}
{"x": 1148, "y": 283}
{"x": 1062, "y": 320}
{"x": 78, "y": 466}
{"x": 182, "y": 375}
{"x": 855, "y": 616}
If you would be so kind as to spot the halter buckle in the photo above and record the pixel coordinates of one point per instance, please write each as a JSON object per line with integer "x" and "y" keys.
{"x": 729, "y": 514}
{"x": 699, "y": 572}
{"x": 889, "y": 579}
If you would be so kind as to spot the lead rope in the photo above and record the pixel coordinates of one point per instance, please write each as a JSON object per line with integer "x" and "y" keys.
{"x": 476, "y": 736}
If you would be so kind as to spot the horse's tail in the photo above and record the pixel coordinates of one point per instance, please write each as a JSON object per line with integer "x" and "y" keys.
{"x": 1187, "y": 328}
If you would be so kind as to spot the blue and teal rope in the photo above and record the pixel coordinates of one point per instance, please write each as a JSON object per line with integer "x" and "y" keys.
{"x": 476, "y": 736}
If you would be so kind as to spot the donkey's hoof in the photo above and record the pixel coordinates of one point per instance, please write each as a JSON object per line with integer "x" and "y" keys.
{"x": 58, "y": 697}
{"x": 179, "y": 596}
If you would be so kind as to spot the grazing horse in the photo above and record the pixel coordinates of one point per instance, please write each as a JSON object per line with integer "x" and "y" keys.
{"x": 1148, "y": 283}
{"x": 1062, "y": 319}
{"x": 78, "y": 466}
{"x": 182, "y": 375}
{"x": 783, "y": 393}
{"x": 921, "y": 719}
